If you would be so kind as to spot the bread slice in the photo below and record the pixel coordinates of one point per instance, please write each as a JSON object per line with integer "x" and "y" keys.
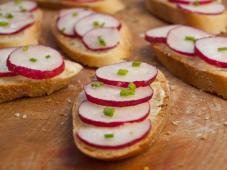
{"x": 76, "y": 50}
{"x": 17, "y": 87}
{"x": 169, "y": 12}
{"x": 29, "y": 36}
{"x": 158, "y": 117}
{"x": 108, "y": 6}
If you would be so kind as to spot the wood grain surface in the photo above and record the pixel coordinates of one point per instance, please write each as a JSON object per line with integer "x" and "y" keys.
{"x": 36, "y": 134}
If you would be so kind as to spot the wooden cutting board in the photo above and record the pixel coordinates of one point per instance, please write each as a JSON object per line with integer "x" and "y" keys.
{"x": 36, "y": 134}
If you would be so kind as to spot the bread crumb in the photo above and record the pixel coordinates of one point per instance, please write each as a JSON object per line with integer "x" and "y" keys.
{"x": 69, "y": 101}
{"x": 207, "y": 118}
{"x": 225, "y": 123}
{"x": 202, "y": 136}
{"x": 43, "y": 129}
{"x": 168, "y": 133}
{"x": 146, "y": 168}
{"x": 176, "y": 123}
{"x": 62, "y": 123}
{"x": 24, "y": 116}
{"x": 17, "y": 115}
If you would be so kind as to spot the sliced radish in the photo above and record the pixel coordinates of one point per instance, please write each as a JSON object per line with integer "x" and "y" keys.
{"x": 110, "y": 117}
{"x": 213, "y": 50}
{"x": 101, "y": 39}
{"x": 213, "y": 8}
{"x": 36, "y": 62}
{"x": 114, "y": 138}
{"x": 14, "y": 22}
{"x": 142, "y": 74}
{"x": 19, "y": 6}
{"x": 115, "y": 96}
{"x": 158, "y": 35}
{"x": 4, "y": 54}
{"x": 195, "y": 2}
{"x": 64, "y": 12}
{"x": 182, "y": 39}
{"x": 65, "y": 23}
{"x": 83, "y": 1}
{"x": 95, "y": 21}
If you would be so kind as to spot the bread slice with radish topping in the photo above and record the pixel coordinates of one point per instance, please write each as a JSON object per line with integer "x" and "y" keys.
{"x": 98, "y": 39}
{"x": 206, "y": 15}
{"x": 106, "y": 6}
{"x": 113, "y": 133}
{"x": 205, "y": 69}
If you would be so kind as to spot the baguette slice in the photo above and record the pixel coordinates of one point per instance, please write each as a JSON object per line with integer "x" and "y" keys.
{"x": 158, "y": 117}
{"x": 169, "y": 12}
{"x": 76, "y": 50}
{"x": 108, "y": 6}
{"x": 17, "y": 87}
{"x": 194, "y": 71}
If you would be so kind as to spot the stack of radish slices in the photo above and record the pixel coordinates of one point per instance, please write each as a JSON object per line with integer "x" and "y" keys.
{"x": 116, "y": 110}
{"x": 204, "y": 7}
{"x": 191, "y": 42}
{"x": 34, "y": 62}
{"x": 98, "y": 32}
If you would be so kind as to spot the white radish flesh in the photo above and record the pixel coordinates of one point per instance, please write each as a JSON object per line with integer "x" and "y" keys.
{"x": 101, "y": 39}
{"x": 95, "y": 21}
{"x": 19, "y": 6}
{"x": 114, "y": 138}
{"x": 94, "y": 114}
{"x": 182, "y": 39}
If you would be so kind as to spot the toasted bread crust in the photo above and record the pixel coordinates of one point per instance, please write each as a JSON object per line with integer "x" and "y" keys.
{"x": 170, "y": 13}
{"x": 157, "y": 125}
{"x": 108, "y": 6}
{"x": 75, "y": 49}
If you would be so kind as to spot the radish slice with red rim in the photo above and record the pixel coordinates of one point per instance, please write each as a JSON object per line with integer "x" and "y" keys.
{"x": 4, "y": 54}
{"x": 65, "y": 23}
{"x": 36, "y": 62}
{"x": 213, "y": 8}
{"x": 192, "y": 2}
{"x": 101, "y": 39}
{"x": 139, "y": 73}
{"x": 14, "y": 22}
{"x": 95, "y": 21}
{"x": 19, "y": 6}
{"x": 158, "y": 35}
{"x": 114, "y": 138}
{"x": 106, "y": 95}
{"x": 213, "y": 50}
{"x": 98, "y": 115}
{"x": 182, "y": 39}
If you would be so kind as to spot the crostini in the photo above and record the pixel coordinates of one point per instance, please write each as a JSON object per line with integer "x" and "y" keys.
{"x": 91, "y": 38}
{"x": 122, "y": 112}
{"x": 195, "y": 56}
{"x": 207, "y": 15}
{"x": 32, "y": 71}
{"x": 107, "y": 6}
{"x": 20, "y": 23}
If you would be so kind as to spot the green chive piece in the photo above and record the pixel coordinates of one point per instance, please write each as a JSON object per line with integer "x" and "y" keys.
{"x": 25, "y": 48}
{"x": 132, "y": 86}
{"x": 127, "y": 92}
{"x": 136, "y": 64}
{"x": 196, "y": 3}
{"x": 222, "y": 49}
{"x": 63, "y": 29}
{"x": 101, "y": 41}
{"x": 122, "y": 72}
{"x": 33, "y": 60}
{"x": 109, "y": 111}
{"x": 96, "y": 85}
{"x": 97, "y": 24}
{"x": 22, "y": 9}
{"x": 47, "y": 56}
{"x": 9, "y": 16}
{"x": 17, "y": 1}
{"x": 108, "y": 135}
{"x": 75, "y": 14}
{"x": 190, "y": 38}
{"x": 3, "y": 24}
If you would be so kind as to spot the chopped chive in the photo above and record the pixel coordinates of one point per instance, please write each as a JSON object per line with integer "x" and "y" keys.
{"x": 132, "y": 86}
{"x": 22, "y": 9}
{"x": 95, "y": 85}
{"x": 47, "y": 56}
{"x": 97, "y": 24}
{"x": 127, "y": 92}
{"x": 222, "y": 49}
{"x": 122, "y": 72}
{"x": 63, "y": 29}
{"x": 108, "y": 135}
{"x": 75, "y": 14}
{"x": 109, "y": 111}
{"x": 196, "y": 3}
{"x": 25, "y": 48}
{"x": 33, "y": 60}
{"x": 3, "y": 24}
{"x": 190, "y": 38}
{"x": 136, "y": 64}
{"x": 9, "y": 16}
{"x": 17, "y": 1}
{"x": 101, "y": 41}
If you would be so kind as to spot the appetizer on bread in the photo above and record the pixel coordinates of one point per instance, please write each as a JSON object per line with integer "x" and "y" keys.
{"x": 20, "y": 23}
{"x": 91, "y": 38}
{"x": 195, "y": 56}
{"x": 107, "y": 6}
{"x": 32, "y": 71}
{"x": 207, "y": 15}
{"x": 120, "y": 114}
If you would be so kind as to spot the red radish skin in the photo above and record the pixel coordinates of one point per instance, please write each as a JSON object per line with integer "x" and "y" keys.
{"x": 28, "y": 6}
{"x": 189, "y": 2}
{"x": 120, "y": 146}
{"x": 144, "y": 77}
{"x": 31, "y": 72}
{"x": 135, "y": 114}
